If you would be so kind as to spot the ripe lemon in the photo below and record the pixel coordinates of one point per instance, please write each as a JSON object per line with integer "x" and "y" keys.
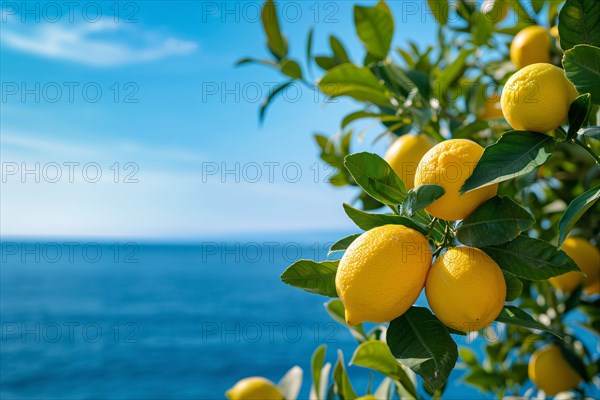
{"x": 404, "y": 156}
{"x": 367, "y": 397}
{"x": 449, "y": 164}
{"x": 254, "y": 388}
{"x": 494, "y": 10}
{"x": 550, "y": 372}
{"x": 382, "y": 273}
{"x": 465, "y": 289}
{"x": 587, "y": 258}
{"x": 537, "y": 98}
{"x": 531, "y": 45}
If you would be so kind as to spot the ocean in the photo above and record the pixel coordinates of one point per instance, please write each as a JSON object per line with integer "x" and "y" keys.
{"x": 84, "y": 320}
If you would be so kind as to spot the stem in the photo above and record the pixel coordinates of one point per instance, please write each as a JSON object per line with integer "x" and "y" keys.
{"x": 588, "y": 149}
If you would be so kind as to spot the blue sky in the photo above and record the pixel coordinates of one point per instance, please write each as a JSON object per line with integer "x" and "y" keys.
{"x": 150, "y": 98}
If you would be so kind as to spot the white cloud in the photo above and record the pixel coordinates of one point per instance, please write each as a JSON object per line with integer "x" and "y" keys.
{"x": 94, "y": 44}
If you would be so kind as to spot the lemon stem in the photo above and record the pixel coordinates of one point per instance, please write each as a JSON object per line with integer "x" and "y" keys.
{"x": 588, "y": 149}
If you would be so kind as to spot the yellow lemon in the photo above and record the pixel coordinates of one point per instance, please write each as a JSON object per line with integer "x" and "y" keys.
{"x": 554, "y": 32}
{"x": 550, "y": 372}
{"x": 465, "y": 289}
{"x": 254, "y": 388}
{"x": 382, "y": 273}
{"x": 494, "y": 10}
{"x": 367, "y": 397}
{"x": 449, "y": 164}
{"x": 531, "y": 45}
{"x": 537, "y": 98}
{"x": 404, "y": 156}
{"x": 587, "y": 258}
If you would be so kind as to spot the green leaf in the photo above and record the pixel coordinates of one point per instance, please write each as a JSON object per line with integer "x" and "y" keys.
{"x": 344, "y": 387}
{"x": 579, "y": 23}
{"x": 326, "y": 62}
{"x": 420, "y": 197}
{"x": 531, "y": 259}
{"x": 451, "y": 73}
{"x": 291, "y": 68}
{"x": 267, "y": 102}
{"x": 582, "y": 67}
{"x": 375, "y": 28}
{"x": 377, "y": 356}
{"x": 356, "y": 115}
{"x": 338, "y": 50}
{"x": 366, "y": 221}
{"x": 465, "y": 131}
{"x": 356, "y": 82}
{"x": 578, "y": 113}
{"x": 514, "y": 286}
{"x": 291, "y": 383}
{"x": 515, "y": 154}
{"x": 275, "y": 40}
{"x": 486, "y": 381}
{"x": 318, "y": 358}
{"x": 515, "y": 316}
{"x": 575, "y": 210}
{"x": 313, "y": 277}
{"x": 422, "y": 343}
{"x": 440, "y": 9}
{"x": 343, "y": 244}
{"x": 568, "y": 352}
{"x": 375, "y": 176}
{"x": 309, "y": 45}
{"x": 496, "y": 221}
{"x": 335, "y": 309}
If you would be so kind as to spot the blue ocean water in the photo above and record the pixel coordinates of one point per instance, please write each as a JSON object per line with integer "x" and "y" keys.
{"x": 140, "y": 321}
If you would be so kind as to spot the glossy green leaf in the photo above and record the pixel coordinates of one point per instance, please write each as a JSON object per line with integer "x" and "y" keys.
{"x": 496, "y": 221}
{"x": 575, "y": 210}
{"x": 423, "y": 344}
{"x": 275, "y": 40}
{"x": 343, "y": 244}
{"x": 514, "y": 286}
{"x": 420, "y": 197}
{"x": 342, "y": 381}
{"x": 579, "y": 23}
{"x": 375, "y": 176}
{"x": 531, "y": 259}
{"x": 582, "y": 67}
{"x": 375, "y": 28}
{"x": 366, "y": 221}
{"x": 515, "y": 154}
{"x": 356, "y": 82}
{"x": 578, "y": 113}
{"x": 312, "y": 276}
{"x": 376, "y": 355}
{"x": 515, "y": 316}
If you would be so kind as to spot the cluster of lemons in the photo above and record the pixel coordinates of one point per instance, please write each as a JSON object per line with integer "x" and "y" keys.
{"x": 385, "y": 269}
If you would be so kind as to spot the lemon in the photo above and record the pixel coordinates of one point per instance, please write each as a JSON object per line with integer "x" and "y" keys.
{"x": 254, "y": 388}
{"x": 382, "y": 273}
{"x": 554, "y": 32}
{"x": 449, "y": 164}
{"x": 550, "y": 372}
{"x": 465, "y": 289}
{"x": 404, "y": 156}
{"x": 367, "y": 397}
{"x": 494, "y": 10}
{"x": 537, "y": 98}
{"x": 531, "y": 45}
{"x": 587, "y": 258}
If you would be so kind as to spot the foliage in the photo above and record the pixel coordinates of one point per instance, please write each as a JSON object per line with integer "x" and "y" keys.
{"x": 549, "y": 185}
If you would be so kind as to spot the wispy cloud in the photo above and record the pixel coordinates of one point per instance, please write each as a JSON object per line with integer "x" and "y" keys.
{"x": 94, "y": 44}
